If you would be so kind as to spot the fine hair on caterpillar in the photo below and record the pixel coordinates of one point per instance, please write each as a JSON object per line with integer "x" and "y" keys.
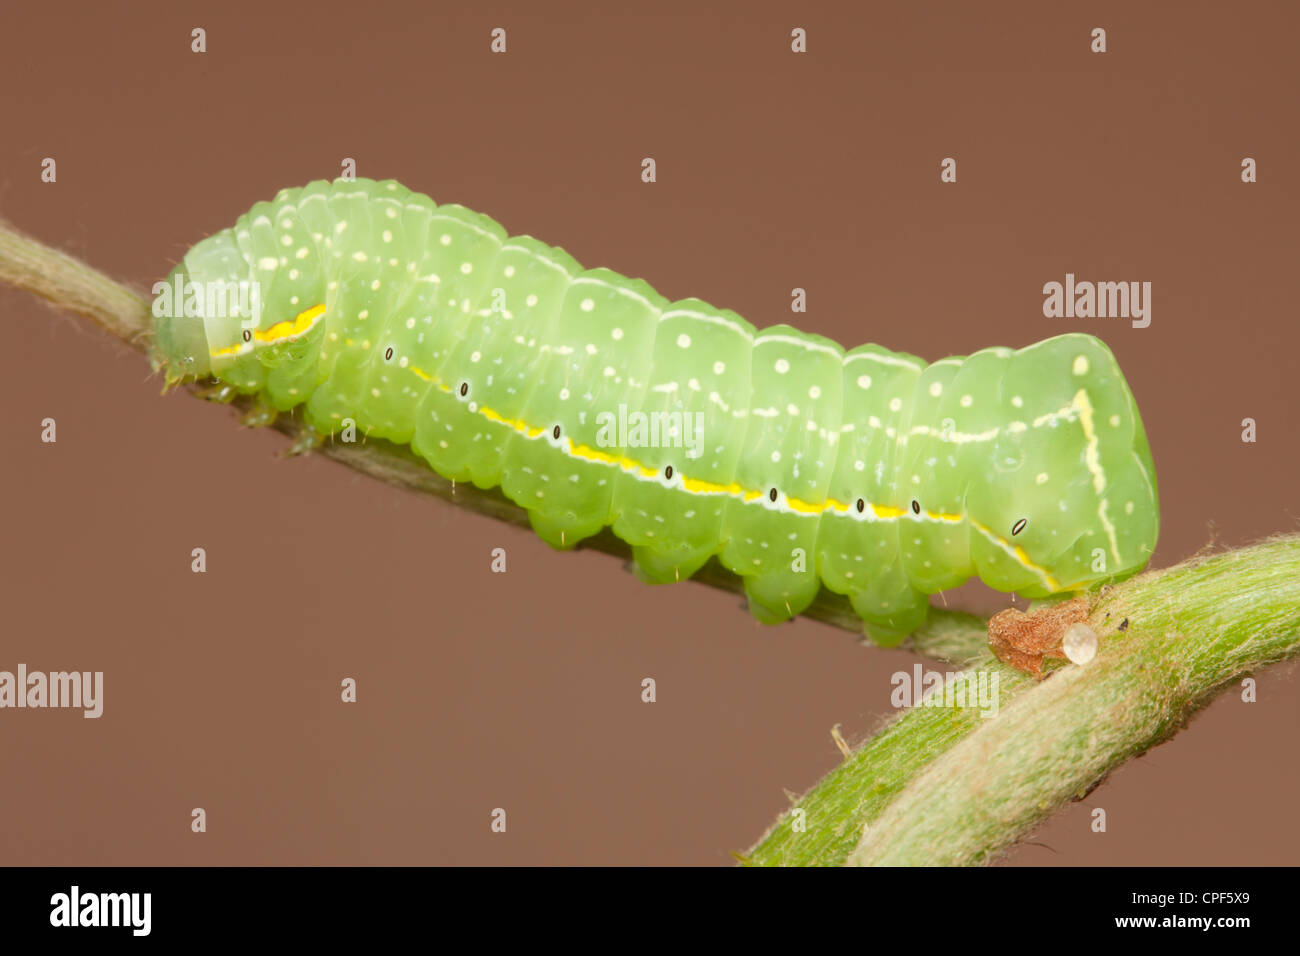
{"x": 592, "y": 401}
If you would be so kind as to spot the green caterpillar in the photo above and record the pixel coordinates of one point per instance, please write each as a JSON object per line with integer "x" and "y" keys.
{"x": 593, "y": 401}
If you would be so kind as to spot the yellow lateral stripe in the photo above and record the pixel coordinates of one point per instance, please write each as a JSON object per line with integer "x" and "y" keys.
{"x": 701, "y": 486}
{"x": 1018, "y": 553}
{"x": 698, "y": 486}
{"x": 805, "y": 507}
{"x": 288, "y": 330}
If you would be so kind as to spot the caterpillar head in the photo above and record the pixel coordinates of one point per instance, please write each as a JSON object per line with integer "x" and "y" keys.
{"x": 220, "y": 314}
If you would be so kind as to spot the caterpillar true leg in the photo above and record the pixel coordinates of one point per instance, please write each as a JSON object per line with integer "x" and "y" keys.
{"x": 260, "y": 415}
{"x": 308, "y": 440}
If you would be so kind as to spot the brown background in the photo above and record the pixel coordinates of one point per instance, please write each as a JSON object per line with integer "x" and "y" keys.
{"x": 522, "y": 691}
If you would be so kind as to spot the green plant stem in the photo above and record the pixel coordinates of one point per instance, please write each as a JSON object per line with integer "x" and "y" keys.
{"x": 945, "y": 786}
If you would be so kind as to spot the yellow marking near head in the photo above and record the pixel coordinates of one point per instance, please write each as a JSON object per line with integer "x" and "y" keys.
{"x": 284, "y": 331}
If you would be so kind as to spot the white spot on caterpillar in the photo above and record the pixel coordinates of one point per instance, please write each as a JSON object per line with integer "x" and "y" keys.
{"x": 1017, "y": 401}
{"x": 374, "y": 286}
{"x": 683, "y": 341}
{"x": 466, "y": 268}
{"x": 268, "y": 263}
{"x": 616, "y": 334}
{"x": 781, "y": 366}
{"x": 1041, "y": 478}
{"x": 693, "y": 384}
{"x": 286, "y": 240}
{"x": 936, "y": 389}
{"x": 966, "y": 401}
{"x": 586, "y": 305}
{"x": 509, "y": 271}
{"x": 591, "y": 349}
{"x": 564, "y": 394}
{"x": 792, "y": 409}
{"x": 814, "y": 392}
{"x": 776, "y": 456}
{"x": 293, "y": 274}
{"x": 1080, "y": 365}
{"x": 1128, "y": 507}
{"x": 719, "y": 368}
{"x": 302, "y": 252}
{"x": 410, "y": 323}
{"x": 1114, "y": 421}
{"x": 609, "y": 371}
{"x": 387, "y": 236}
{"x": 531, "y": 301}
{"x": 359, "y": 256}
{"x": 895, "y": 404}
{"x": 445, "y": 239}
{"x": 475, "y": 356}
{"x": 340, "y": 226}
{"x": 864, "y": 381}
{"x": 363, "y": 314}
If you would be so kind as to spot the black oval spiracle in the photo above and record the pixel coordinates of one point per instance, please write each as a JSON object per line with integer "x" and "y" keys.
{"x": 555, "y": 432}
{"x": 1019, "y": 526}
{"x": 772, "y": 495}
{"x": 248, "y": 335}
{"x": 862, "y": 506}
{"x": 464, "y": 389}
{"x": 388, "y": 354}
{"x": 668, "y": 472}
{"x": 916, "y": 507}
